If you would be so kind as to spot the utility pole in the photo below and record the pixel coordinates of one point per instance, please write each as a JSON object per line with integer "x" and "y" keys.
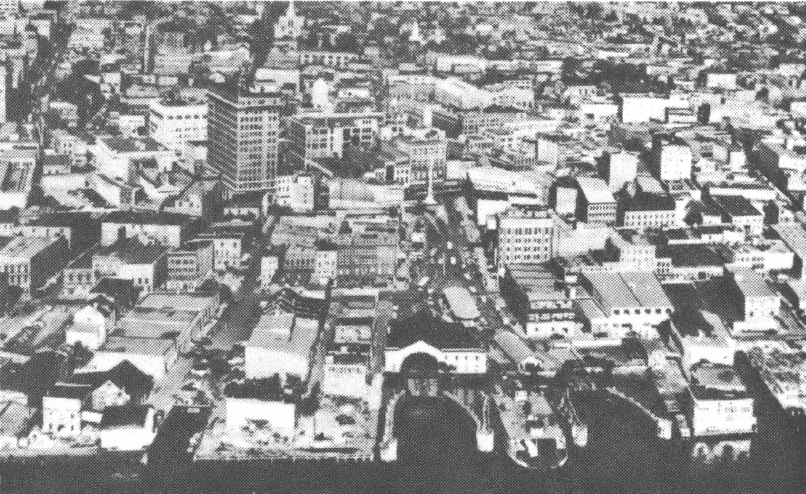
{"x": 429, "y": 198}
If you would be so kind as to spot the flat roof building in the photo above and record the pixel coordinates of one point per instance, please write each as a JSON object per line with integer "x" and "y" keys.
{"x": 281, "y": 343}
{"x": 461, "y": 303}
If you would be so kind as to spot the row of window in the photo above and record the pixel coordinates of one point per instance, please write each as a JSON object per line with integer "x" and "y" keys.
{"x": 640, "y": 311}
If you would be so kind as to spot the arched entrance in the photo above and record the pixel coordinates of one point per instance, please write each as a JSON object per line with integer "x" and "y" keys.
{"x": 436, "y": 445}
{"x": 421, "y": 372}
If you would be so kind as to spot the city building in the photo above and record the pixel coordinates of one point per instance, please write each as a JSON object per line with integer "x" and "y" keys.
{"x": 621, "y": 169}
{"x": 620, "y": 304}
{"x": 29, "y": 262}
{"x": 416, "y": 342}
{"x": 114, "y": 156}
{"x": 17, "y": 167}
{"x": 243, "y": 130}
{"x": 281, "y": 343}
{"x": 328, "y": 134}
{"x": 152, "y": 356}
{"x": 456, "y": 93}
{"x": 595, "y": 203}
{"x": 525, "y": 235}
{"x": 700, "y": 336}
{"x": 189, "y": 266}
{"x": 758, "y": 303}
{"x": 327, "y": 58}
{"x": 739, "y": 211}
{"x": 228, "y": 248}
{"x": 638, "y": 108}
{"x": 542, "y": 304}
{"x": 297, "y": 192}
{"x": 127, "y": 427}
{"x": 671, "y": 158}
{"x": 783, "y": 165}
{"x": 62, "y": 410}
{"x": 458, "y": 121}
{"x": 168, "y": 229}
{"x": 269, "y": 265}
{"x": 646, "y": 210}
{"x": 91, "y": 325}
{"x": 55, "y": 164}
{"x": 719, "y": 402}
{"x": 174, "y": 123}
{"x": 325, "y": 263}
{"x": 427, "y": 157}
{"x": 71, "y": 145}
{"x": 129, "y": 258}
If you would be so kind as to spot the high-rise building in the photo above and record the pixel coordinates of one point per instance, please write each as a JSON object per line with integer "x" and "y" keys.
{"x": 242, "y": 132}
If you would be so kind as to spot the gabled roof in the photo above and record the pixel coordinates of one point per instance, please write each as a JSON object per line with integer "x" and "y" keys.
{"x": 73, "y": 391}
{"x": 125, "y": 376}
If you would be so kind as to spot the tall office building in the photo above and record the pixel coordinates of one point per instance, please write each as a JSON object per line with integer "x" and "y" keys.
{"x": 242, "y": 133}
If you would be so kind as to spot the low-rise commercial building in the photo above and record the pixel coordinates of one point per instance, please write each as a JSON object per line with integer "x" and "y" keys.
{"x": 190, "y": 266}
{"x": 168, "y": 229}
{"x": 622, "y": 303}
{"x": 280, "y": 344}
{"x": 426, "y": 345}
{"x": 30, "y": 261}
{"x": 153, "y": 356}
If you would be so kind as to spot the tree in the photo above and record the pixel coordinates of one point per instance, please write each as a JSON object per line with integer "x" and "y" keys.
{"x": 383, "y": 27}
{"x": 346, "y": 42}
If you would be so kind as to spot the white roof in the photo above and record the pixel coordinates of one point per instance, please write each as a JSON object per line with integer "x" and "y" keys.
{"x": 513, "y": 346}
{"x": 461, "y": 302}
{"x": 595, "y": 190}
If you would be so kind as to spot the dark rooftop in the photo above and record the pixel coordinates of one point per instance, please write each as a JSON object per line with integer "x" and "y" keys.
{"x": 70, "y": 391}
{"x": 124, "y": 416}
{"x": 125, "y": 375}
{"x": 147, "y": 217}
{"x": 435, "y": 332}
{"x": 688, "y": 255}
{"x": 651, "y": 202}
{"x": 736, "y": 205}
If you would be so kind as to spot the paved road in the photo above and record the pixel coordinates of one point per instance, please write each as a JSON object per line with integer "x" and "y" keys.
{"x": 234, "y": 327}
{"x": 443, "y": 226}
{"x": 237, "y": 323}
{"x": 165, "y": 390}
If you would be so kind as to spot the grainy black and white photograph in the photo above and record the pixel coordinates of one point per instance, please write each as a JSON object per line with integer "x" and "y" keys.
{"x": 397, "y": 247}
